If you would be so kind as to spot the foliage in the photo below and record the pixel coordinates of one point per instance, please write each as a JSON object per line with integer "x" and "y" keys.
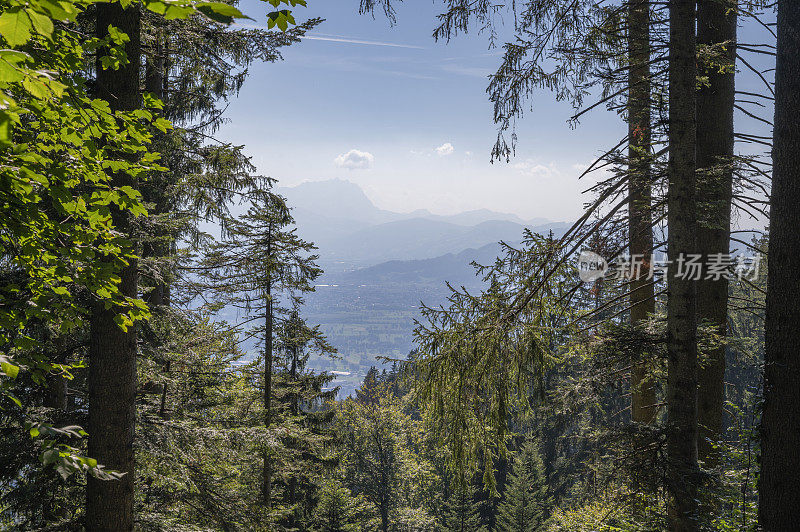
{"x": 534, "y": 351}
{"x": 59, "y": 250}
{"x": 259, "y": 260}
{"x": 525, "y": 502}
{"x": 482, "y": 359}
{"x": 461, "y": 513}
{"x": 337, "y": 510}
{"x": 382, "y": 457}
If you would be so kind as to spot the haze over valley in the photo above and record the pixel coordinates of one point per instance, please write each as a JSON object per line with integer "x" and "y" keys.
{"x": 379, "y": 265}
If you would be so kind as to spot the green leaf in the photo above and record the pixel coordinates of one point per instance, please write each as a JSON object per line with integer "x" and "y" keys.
{"x": 175, "y": 12}
{"x": 41, "y": 23}
{"x": 130, "y": 191}
{"x": 9, "y": 369}
{"x": 162, "y": 124}
{"x": 58, "y": 10}
{"x": 5, "y": 127}
{"x": 223, "y": 10}
{"x": 117, "y": 36}
{"x": 15, "y": 56}
{"x": 156, "y": 7}
{"x": 36, "y": 88}
{"x": 281, "y": 18}
{"x": 50, "y": 456}
{"x": 9, "y": 74}
{"x": 123, "y": 322}
{"x": 15, "y": 26}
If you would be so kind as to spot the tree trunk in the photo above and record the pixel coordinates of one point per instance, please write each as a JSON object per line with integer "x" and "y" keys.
{"x": 682, "y": 472}
{"x": 716, "y": 23}
{"x": 294, "y": 410}
{"x": 154, "y": 192}
{"x": 155, "y": 81}
{"x": 779, "y": 490}
{"x": 112, "y": 351}
{"x": 267, "y": 487}
{"x": 56, "y": 393}
{"x": 384, "y": 509}
{"x": 640, "y": 218}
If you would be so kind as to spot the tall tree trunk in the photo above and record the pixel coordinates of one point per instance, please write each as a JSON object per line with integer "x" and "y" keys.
{"x": 294, "y": 410}
{"x": 682, "y": 474}
{"x": 267, "y": 481}
{"x": 384, "y": 509}
{"x": 154, "y": 192}
{"x": 779, "y": 489}
{"x": 56, "y": 393}
{"x": 294, "y": 405}
{"x": 716, "y": 24}
{"x": 112, "y": 351}
{"x": 640, "y": 217}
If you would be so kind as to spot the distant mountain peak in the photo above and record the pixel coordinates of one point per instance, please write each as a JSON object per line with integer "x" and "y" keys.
{"x": 343, "y": 199}
{"x": 334, "y": 198}
{"x": 346, "y": 226}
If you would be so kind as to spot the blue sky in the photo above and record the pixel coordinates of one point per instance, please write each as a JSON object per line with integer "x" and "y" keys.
{"x": 407, "y": 118}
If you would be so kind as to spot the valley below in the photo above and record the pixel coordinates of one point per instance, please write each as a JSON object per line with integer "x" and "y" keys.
{"x": 380, "y": 266}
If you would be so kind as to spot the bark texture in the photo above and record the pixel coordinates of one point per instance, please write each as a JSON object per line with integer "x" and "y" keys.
{"x": 779, "y": 489}
{"x": 716, "y": 25}
{"x": 682, "y": 474}
{"x": 640, "y": 217}
{"x": 112, "y": 351}
{"x": 154, "y": 191}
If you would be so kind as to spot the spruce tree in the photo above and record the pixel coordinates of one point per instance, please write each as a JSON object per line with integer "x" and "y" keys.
{"x": 337, "y": 509}
{"x": 461, "y": 512}
{"x": 716, "y": 36}
{"x": 369, "y": 390}
{"x": 260, "y": 268}
{"x": 302, "y": 399}
{"x": 525, "y": 502}
{"x": 640, "y": 197}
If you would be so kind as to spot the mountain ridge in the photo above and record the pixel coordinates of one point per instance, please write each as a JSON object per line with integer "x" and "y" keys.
{"x": 351, "y": 232}
{"x": 350, "y": 197}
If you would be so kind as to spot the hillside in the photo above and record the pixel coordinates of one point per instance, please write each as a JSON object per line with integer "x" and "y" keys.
{"x": 381, "y": 265}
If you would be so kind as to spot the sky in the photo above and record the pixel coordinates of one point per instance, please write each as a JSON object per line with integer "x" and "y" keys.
{"x": 407, "y": 118}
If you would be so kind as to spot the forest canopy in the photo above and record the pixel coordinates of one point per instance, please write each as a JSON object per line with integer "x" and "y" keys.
{"x": 632, "y": 372}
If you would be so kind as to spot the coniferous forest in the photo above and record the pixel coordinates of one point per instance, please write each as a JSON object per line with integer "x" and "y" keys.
{"x": 636, "y": 371}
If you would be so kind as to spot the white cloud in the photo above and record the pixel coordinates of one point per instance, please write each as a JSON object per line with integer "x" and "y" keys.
{"x": 534, "y": 169}
{"x": 355, "y": 160}
{"x": 445, "y": 149}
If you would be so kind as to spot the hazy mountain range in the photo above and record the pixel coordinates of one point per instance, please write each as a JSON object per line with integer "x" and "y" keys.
{"x": 351, "y": 231}
{"x": 379, "y": 265}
